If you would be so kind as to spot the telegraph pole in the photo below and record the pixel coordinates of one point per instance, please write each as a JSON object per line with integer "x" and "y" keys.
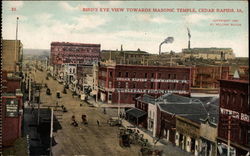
{"x": 229, "y": 135}
{"x": 119, "y": 99}
{"x": 16, "y": 41}
{"x": 51, "y": 131}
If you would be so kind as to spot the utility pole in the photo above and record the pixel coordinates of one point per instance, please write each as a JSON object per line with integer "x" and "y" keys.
{"x": 51, "y": 131}
{"x": 229, "y": 135}
{"x": 119, "y": 98}
{"x": 38, "y": 111}
{"x": 29, "y": 88}
{"x": 16, "y": 41}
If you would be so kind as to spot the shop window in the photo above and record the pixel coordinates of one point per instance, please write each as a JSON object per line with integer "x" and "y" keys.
{"x": 159, "y": 85}
{"x": 174, "y": 76}
{"x": 134, "y": 85}
{"x": 110, "y": 97}
{"x": 110, "y": 84}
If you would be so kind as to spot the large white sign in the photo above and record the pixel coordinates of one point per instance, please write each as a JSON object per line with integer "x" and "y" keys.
{"x": 150, "y": 91}
{"x": 236, "y": 115}
{"x": 151, "y": 80}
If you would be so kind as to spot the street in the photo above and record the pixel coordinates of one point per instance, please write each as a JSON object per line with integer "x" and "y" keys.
{"x": 82, "y": 140}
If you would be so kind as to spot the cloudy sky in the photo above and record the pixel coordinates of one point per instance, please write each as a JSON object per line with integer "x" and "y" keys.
{"x": 41, "y": 23}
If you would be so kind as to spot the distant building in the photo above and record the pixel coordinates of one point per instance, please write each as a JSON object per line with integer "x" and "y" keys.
{"x": 206, "y": 77}
{"x": 74, "y": 53}
{"x": 234, "y": 117}
{"x": 131, "y": 81}
{"x": 125, "y": 56}
{"x": 209, "y": 53}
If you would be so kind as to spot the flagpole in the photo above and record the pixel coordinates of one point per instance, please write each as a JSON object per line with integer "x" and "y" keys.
{"x": 16, "y": 40}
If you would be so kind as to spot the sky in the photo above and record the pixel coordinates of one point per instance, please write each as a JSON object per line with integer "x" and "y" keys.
{"x": 41, "y": 23}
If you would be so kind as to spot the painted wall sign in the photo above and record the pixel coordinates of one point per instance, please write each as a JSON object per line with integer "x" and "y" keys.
{"x": 11, "y": 108}
{"x": 236, "y": 115}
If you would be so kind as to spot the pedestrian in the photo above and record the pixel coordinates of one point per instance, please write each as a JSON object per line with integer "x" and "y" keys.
{"x": 98, "y": 123}
{"x": 32, "y": 109}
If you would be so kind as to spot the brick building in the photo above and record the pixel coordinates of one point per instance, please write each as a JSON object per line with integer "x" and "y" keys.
{"x": 73, "y": 53}
{"x": 12, "y": 97}
{"x": 12, "y": 55}
{"x": 234, "y": 116}
{"x": 208, "y": 76}
{"x": 209, "y": 53}
{"x": 131, "y": 81}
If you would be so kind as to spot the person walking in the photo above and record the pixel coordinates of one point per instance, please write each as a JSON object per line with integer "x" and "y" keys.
{"x": 98, "y": 123}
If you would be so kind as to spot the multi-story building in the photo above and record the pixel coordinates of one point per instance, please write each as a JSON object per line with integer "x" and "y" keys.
{"x": 206, "y": 77}
{"x": 73, "y": 53}
{"x": 234, "y": 117}
{"x": 12, "y": 97}
{"x": 209, "y": 53}
{"x": 12, "y": 55}
{"x": 123, "y": 83}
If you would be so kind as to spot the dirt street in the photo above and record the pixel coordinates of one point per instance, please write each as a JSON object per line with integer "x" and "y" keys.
{"x": 82, "y": 140}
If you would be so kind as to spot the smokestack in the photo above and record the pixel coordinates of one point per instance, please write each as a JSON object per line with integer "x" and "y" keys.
{"x": 189, "y": 36}
{"x": 167, "y": 40}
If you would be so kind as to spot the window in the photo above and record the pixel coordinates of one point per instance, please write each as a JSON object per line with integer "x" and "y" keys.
{"x": 146, "y": 75}
{"x": 110, "y": 97}
{"x": 73, "y": 70}
{"x": 152, "y": 85}
{"x": 169, "y": 76}
{"x": 159, "y": 85}
{"x": 70, "y": 70}
{"x": 110, "y": 74}
{"x": 159, "y": 75}
{"x": 120, "y": 74}
{"x": 134, "y": 74}
{"x": 145, "y": 85}
{"x": 119, "y": 85}
{"x": 152, "y": 75}
{"x": 126, "y": 85}
{"x": 126, "y": 74}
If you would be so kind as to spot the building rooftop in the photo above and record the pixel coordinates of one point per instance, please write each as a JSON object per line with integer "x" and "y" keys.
{"x": 146, "y": 99}
{"x": 75, "y": 44}
{"x": 195, "y": 109}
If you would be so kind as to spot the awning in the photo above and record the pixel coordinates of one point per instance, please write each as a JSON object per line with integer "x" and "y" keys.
{"x": 135, "y": 112}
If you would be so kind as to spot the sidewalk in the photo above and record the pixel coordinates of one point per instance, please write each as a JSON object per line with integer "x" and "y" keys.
{"x": 167, "y": 148}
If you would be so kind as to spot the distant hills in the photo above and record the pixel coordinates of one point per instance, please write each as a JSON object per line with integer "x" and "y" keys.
{"x": 45, "y": 52}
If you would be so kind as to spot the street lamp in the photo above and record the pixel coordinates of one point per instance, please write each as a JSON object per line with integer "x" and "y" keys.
{"x": 167, "y": 40}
